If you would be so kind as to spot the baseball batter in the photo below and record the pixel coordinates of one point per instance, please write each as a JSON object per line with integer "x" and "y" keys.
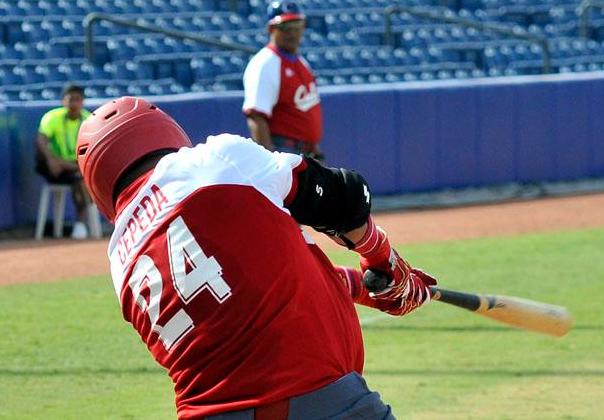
{"x": 248, "y": 316}
{"x": 281, "y": 103}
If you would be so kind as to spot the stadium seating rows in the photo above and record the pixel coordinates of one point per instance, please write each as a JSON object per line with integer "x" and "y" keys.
{"x": 42, "y": 43}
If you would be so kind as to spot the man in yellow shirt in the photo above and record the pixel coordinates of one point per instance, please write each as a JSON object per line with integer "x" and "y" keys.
{"x": 56, "y": 157}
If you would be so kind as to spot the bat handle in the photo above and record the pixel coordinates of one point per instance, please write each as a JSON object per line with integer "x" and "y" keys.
{"x": 375, "y": 281}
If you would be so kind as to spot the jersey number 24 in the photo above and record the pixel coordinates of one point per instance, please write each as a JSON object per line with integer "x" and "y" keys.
{"x": 191, "y": 271}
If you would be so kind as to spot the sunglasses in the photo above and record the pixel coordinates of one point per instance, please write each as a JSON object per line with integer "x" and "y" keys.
{"x": 292, "y": 25}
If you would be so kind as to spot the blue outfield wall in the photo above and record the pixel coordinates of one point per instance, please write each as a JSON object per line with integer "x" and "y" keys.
{"x": 411, "y": 137}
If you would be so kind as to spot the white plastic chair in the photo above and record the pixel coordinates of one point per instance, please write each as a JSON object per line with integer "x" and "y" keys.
{"x": 59, "y": 195}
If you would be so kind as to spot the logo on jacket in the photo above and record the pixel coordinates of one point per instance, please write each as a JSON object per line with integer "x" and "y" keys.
{"x": 305, "y": 98}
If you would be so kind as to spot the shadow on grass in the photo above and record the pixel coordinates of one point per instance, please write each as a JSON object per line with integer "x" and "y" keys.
{"x": 386, "y": 372}
{"x": 486, "y": 372}
{"x": 461, "y": 328}
{"x": 81, "y": 371}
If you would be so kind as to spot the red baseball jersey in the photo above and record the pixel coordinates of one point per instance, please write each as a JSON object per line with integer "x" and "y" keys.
{"x": 223, "y": 286}
{"x": 283, "y": 88}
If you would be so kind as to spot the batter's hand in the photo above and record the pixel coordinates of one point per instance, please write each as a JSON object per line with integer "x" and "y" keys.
{"x": 401, "y": 295}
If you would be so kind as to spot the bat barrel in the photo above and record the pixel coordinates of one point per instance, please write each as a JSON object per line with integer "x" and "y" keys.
{"x": 521, "y": 313}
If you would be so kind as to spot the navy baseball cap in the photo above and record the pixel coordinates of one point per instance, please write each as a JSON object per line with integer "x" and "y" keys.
{"x": 283, "y": 11}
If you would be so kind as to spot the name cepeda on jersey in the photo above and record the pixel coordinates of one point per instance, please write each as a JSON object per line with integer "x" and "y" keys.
{"x": 142, "y": 216}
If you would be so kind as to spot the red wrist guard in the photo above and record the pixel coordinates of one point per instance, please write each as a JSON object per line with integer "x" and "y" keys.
{"x": 374, "y": 248}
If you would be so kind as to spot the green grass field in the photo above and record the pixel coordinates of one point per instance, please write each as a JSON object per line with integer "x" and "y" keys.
{"x": 65, "y": 352}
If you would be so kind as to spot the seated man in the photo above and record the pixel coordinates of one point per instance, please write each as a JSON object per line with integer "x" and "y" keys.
{"x": 56, "y": 156}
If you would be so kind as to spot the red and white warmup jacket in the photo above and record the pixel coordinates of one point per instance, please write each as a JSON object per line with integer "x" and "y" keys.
{"x": 221, "y": 284}
{"x": 283, "y": 89}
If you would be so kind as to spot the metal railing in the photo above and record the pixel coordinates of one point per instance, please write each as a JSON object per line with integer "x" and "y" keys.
{"x": 514, "y": 33}
{"x": 92, "y": 18}
{"x": 583, "y": 11}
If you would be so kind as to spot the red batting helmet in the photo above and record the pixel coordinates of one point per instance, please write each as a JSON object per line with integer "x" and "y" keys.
{"x": 117, "y": 135}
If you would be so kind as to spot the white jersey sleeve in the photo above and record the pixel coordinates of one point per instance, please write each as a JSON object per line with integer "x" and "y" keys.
{"x": 223, "y": 161}
{"x": 269, "y": 172}
{"x": 261, "y": 82}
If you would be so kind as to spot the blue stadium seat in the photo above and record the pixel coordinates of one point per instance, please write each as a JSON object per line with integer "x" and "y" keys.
{"x": 12, "y": 95}
{"x": 73, "y": 27}
{"x": 138, "y": 90}
{"x": 8, "y": 77}
{"x": 93, "y": 92}
{"x": 238, "y": 63}
{"x": 13, "y": 32}
{"x": 357, "y": 79}
{"x": 336, "y": 39}
{"x": 118, "y": 71}
{"x": 73, "y": 72}
{"x": 68, "y": 7}
{"x": 120, "y": 51}
{"x": 393, "y": 77}
{"x": 182, "y": 72}
{"x": 28, "y": 74}
{"x": 143, "y": 70}
{"x": 347, "y": 58}
{"x": 11, "y": 9}
{"x": 385, "y": 57}
{"x": 408, "y": 39}
{"x": 28, "y": 96}
{"x": 461, "y": 74}
{"x": 222, "y": 65}
{"x": 418, "y": 55}
{"x": 444, "y": 75}
{"x": 202, "y": 69}
{"x": 375, "y": 78}
{"x": 50, "y": 94}
{"x": 218, "y": 87}
{"x": 426, "y": 75}
{"x": 52, "y": 73}
{"x": 53, "y": 28}
{"x": 322, "y": 81}
{"x": 199, "y": 87}
{"x": 57, "y": 50}
{"x": 114, "y": 91}
{"x": 34, "y": 32}
{"x": 332, "y": 59}
{"x": 316, "y": 60}
{"x": 133, "y": 46}
{"x": 94, "y": 72}
{"x": 30, "y": 51}
{"x": 30, "y": 9}
{"x": 8, "y": 52}
{"x": 368, "y": 58}
{"x": 162, "y": 69}
{"x": 314, "y": 39}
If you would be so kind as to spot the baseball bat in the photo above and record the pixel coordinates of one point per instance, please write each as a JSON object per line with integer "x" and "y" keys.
{"x": 521, "y": 313}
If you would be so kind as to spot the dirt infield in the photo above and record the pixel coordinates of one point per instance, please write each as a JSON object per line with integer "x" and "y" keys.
{"x": 50, "y": 260}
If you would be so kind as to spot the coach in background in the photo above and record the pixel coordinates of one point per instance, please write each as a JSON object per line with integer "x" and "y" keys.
{"x": 55, "y": 153}
{"x": 281, "y": 102}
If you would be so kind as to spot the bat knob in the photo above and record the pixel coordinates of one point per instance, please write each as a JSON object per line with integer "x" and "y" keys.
{"x": 375, "y": 281}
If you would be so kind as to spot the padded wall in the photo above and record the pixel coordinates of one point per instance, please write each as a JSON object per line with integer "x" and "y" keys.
{"x": 409, "y": 137}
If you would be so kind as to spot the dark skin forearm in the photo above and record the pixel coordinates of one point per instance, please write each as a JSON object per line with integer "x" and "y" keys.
{"x": 55, "y": 163}
{"x": 260, "y": 131}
